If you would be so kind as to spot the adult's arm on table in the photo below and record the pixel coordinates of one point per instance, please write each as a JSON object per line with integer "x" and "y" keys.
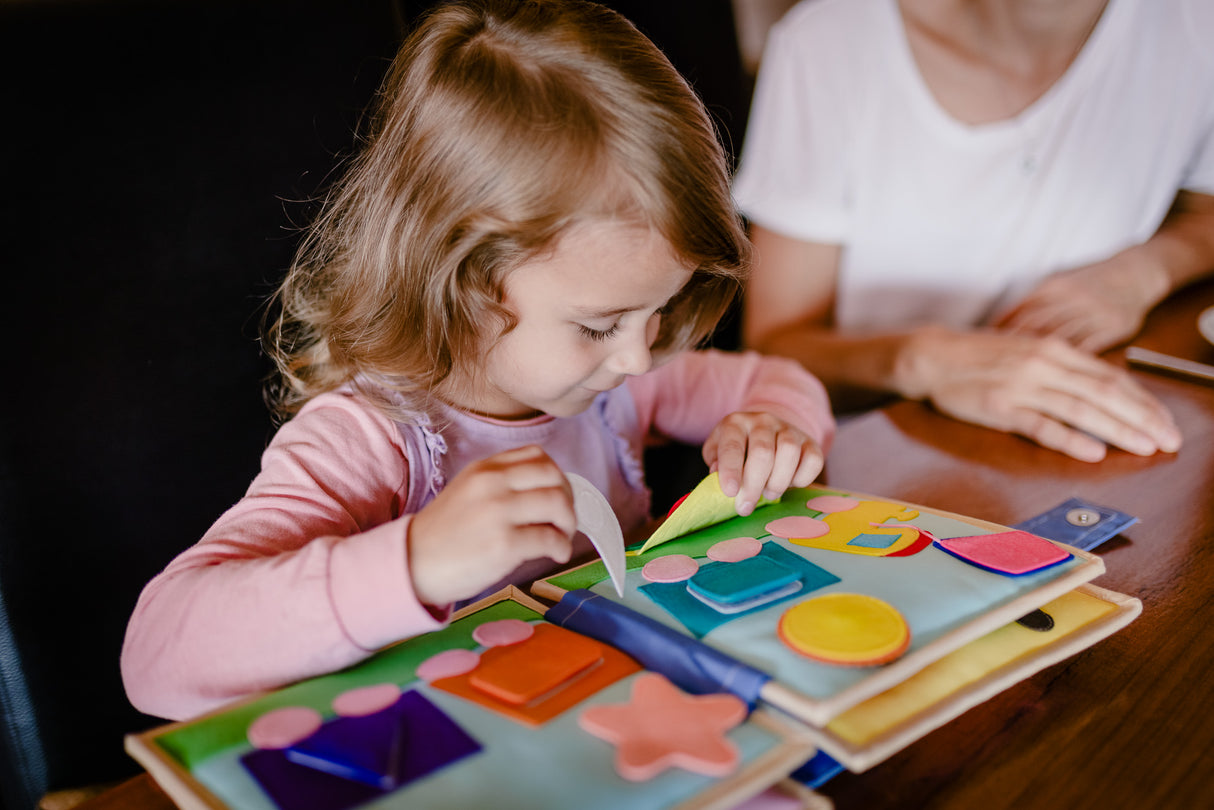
{"x": 1099, "y": 305}
{"x": 789, "y": 310}
{"x": 1052, "y": 393}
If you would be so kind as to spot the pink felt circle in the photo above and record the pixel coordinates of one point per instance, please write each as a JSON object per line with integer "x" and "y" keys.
{"x": 735, "y": 549}
{"x": 798, "y": 526}
{"x": 283, "y": 727}
{"x": 447, "y": 664}
{"x": 671, "y": 568}
{"x": 832, "y": 503}
{"x": 502, "y": 633}
{"x": 366, "y": 700}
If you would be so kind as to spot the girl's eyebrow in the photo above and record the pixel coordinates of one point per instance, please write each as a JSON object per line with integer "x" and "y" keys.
{"x": 613, "y": 312}
{"x": 591, "y": 312}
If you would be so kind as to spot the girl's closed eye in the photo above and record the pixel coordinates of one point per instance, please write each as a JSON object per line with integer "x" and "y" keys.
{"x": 599, "y": 334}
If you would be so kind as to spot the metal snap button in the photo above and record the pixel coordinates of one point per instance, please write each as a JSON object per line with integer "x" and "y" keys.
{"x": 1082, "y": 516}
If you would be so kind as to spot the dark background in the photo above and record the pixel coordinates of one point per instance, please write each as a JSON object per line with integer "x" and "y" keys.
{"x": 156, "y": 166}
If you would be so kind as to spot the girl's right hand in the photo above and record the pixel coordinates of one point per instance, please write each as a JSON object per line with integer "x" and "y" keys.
{"x": 493, "y": 516}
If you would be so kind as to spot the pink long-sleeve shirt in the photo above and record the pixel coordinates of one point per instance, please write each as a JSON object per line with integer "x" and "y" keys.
{"x": 308, "y": 572}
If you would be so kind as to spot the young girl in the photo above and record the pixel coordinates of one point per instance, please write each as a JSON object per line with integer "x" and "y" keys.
{"x": 541, "y": 213}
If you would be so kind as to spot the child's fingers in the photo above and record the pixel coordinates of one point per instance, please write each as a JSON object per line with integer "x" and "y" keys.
{"x": 529, "y": 468}
{"x": 493, "y": 516}
{"x": 760, "y": 455}
{"x": 551, "y": 506}
{"x": 725, "y": 452}
{"x": 811, "y": 464}
{"x": 795, "y": 460}
{"x": 784, "y": 468}
{"x": 757, "y": 468}
{"x": 535, "y": 541}
{"x": 528, "y": 487}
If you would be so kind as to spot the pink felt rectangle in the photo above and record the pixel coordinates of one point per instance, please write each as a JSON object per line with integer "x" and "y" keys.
{"x": 1012, "y": 552}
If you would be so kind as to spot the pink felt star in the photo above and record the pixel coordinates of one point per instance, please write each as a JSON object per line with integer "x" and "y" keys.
{"x": 661, "y": 727}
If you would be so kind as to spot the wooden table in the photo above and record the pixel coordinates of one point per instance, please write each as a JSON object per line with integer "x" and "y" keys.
{"x": 1128, "y": 723}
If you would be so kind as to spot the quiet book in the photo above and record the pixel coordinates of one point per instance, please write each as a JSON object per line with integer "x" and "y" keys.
{"x": 695, "y": 670}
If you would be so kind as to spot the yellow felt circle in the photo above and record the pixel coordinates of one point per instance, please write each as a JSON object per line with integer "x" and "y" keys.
{"x": 846, "y": 628}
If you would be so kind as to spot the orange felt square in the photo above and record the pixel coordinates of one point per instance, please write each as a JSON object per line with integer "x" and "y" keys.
{"x": 523, "y": 673}
{"x": 535, "y": 680}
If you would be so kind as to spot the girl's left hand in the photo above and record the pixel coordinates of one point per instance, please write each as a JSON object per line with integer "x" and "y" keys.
{"x": 757, "y": 454}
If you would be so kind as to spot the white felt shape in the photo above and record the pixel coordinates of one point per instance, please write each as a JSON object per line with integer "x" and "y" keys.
{"x": 597, "y": 520}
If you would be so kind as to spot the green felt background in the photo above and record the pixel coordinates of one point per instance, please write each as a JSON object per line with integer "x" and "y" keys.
{"x": 197, "y": 740}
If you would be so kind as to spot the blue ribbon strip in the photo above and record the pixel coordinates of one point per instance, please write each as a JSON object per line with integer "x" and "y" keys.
{"x": 691, "y": 665}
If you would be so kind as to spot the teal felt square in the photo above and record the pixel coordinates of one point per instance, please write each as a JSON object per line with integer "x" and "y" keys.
{"x": 700, "y": 619}
{"x": 741, "y": 581}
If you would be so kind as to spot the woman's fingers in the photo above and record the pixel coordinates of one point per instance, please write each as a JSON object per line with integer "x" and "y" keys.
{"x": 1051, "y": 392}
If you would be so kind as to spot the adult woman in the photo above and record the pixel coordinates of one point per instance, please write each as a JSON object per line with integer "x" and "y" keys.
{"x": 960, "y": 200}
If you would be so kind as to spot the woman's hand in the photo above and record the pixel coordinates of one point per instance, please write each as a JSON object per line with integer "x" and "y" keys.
{"x": 756, "y": 454}
{"x": 493, "y": 516}
{"x": 1094, "y": 307}
{"x": 1042, "y": 388}
{"x": 1100, "y": 305}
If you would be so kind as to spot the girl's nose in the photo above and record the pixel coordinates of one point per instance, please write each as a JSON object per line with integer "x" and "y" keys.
{"x": 633, "y": 356}
{"x": 631, "y": 359}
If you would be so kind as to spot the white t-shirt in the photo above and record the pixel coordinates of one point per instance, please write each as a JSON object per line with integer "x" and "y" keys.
{"x": 947, "y": 222}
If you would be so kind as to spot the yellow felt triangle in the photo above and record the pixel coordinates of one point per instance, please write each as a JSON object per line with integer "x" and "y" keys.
{"x": 705, "y": 506}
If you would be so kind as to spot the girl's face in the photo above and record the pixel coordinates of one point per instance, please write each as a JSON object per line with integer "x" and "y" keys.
{"x": 588, "y": 313}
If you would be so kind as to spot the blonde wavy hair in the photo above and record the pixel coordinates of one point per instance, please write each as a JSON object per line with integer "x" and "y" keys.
{"x": 500, "y": 124}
